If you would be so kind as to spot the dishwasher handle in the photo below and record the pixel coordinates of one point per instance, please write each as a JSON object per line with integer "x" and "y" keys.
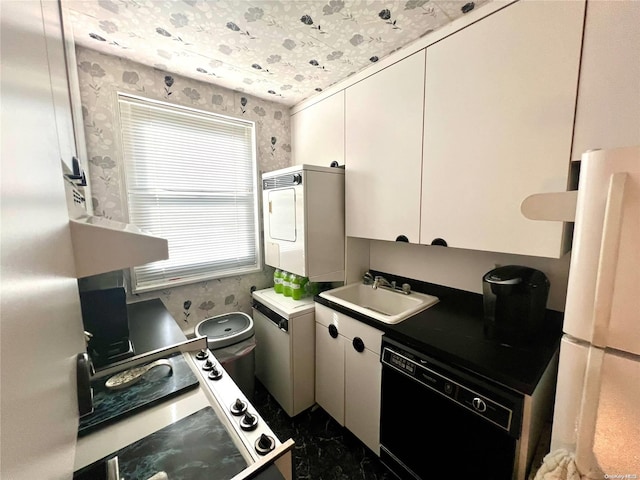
{"x": 277, "y": 319}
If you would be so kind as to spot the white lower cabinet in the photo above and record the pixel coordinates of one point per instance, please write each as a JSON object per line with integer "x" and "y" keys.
{"x": 349, "y": 373}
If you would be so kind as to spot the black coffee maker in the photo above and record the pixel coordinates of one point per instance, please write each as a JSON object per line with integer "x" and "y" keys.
{"x": 515, "y": 300}
{"x": 103, "y": 300}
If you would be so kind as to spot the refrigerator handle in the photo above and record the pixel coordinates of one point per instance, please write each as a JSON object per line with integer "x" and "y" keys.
{"x": 585, "y": 458}
{"x": 608, "y": 261}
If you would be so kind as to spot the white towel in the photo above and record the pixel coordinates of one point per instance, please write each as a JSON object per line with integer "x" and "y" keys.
{"x": 561, "y": 465}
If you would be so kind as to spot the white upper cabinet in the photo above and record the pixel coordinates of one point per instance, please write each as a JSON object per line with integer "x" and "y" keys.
{"x": 61, "y": 60}
{"x": 59, "y": 82}
{"x": 317, "y": 133}
{"x": 384, "y": 115}
{"x": 500, "y": 97}
{"x": 608, "y": 112}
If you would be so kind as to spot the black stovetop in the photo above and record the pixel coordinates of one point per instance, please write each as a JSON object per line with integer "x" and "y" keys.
{"x": 452, "y": 331}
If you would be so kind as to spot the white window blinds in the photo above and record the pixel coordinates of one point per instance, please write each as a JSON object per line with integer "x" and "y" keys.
{"x": 191, "y": 178}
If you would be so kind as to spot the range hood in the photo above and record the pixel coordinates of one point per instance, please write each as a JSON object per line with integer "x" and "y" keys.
{"x": 101, "y": 245}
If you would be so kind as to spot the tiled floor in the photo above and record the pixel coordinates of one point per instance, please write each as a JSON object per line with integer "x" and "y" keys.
{"x": 323, "y": 449}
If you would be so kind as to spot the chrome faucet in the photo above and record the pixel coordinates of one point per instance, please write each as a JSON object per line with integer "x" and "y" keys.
{"x": 382, "y": 282}
{"x": 367, "y": 278}
{"x": 379, "y": 281}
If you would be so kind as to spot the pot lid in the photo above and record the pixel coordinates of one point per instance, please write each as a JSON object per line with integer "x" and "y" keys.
{"x": 224, "y": 330}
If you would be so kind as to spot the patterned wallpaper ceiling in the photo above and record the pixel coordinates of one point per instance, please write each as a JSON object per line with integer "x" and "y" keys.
{"x": 280, "y": 50}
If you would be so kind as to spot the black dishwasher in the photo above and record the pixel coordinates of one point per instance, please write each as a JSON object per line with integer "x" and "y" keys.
{"x": 440, "y": 422}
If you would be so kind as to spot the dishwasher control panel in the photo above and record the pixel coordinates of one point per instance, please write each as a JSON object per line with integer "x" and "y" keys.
{"x": 495, "y": 408}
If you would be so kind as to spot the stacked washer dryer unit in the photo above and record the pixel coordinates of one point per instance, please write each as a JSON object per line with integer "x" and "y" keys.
{"x": 303, "y": 214}
{"x": 285, "y": 350}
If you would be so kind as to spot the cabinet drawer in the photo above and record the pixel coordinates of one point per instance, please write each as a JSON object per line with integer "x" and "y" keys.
{"x": 350, "y": 328}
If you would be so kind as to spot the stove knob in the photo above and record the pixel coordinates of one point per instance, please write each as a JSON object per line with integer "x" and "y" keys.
{"x": 239, "y": 407}
{"x": 208, "y": 365}
{"x": 202, "y": 354}
{"x": 249, "y": 422}
{"x": 264, "y": 444}
{"x": 215, "y": 374}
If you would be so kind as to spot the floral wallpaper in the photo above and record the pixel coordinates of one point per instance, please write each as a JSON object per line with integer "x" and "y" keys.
{"x": 283, "y": 50}
{"x": 100, "y": 77}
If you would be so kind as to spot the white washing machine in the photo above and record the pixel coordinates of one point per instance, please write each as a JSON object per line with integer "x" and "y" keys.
{"x": 285, "y": 348}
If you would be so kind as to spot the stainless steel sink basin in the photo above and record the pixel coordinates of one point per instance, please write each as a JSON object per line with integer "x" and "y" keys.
{"x": 384, "y": 305}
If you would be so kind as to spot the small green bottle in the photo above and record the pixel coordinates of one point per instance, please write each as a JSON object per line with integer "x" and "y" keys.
{"x": 297, "y": 290}
{"x": 286, "y": 284}
{"x": 277, "y": 281}
{"x": 311, "y": 289}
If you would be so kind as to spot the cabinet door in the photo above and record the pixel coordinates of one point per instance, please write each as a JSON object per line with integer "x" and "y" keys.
{"x": 384, "y": 115}
{"x": 317, "y": 133}
{"x": 499, "y": 109}
{"x": 608, "y": 111}
{"x": 59, "y": 82}
{"x": 330, "y": 372}
{"x": 363, "y": 377}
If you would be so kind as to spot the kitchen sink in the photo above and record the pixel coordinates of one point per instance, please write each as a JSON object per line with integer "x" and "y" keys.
{"x": 381, "y": 304}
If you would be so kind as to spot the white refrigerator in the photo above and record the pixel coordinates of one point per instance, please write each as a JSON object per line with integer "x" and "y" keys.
{"x": 597, "y": 407}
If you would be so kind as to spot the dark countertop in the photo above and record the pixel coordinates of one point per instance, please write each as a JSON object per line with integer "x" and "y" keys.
{"x": 151, "y": 326}
{"x": 452, "y": 331}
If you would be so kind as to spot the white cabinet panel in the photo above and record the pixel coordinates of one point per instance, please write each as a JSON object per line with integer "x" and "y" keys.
{"x": 384, "y": 115}
{"x": 348, "y": 381}
{"x": 499, "y": 109}
{"x": 59, "y": 82}
{"x": 608, "y": 111}
{"x": 317, "y": 133}
{"x": 363, "y": 372}
{"x": 330, "y": 372}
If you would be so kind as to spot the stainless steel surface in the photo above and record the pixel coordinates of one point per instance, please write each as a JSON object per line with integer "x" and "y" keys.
{"x": 224, "y": 394}
{"x": 113, "y": 469}
{"x": 192, "y": 345}
{"x": 381, "y": 282}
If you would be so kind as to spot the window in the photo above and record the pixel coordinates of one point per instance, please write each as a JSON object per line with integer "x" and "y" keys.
{"x": 191, "y": 178}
